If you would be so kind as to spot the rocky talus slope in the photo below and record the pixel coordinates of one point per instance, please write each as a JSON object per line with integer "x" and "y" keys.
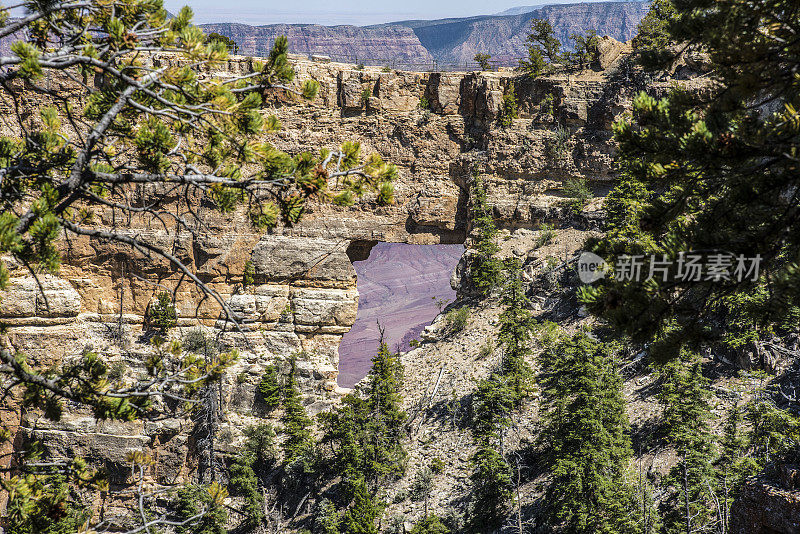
{"x": 305, "y": 296}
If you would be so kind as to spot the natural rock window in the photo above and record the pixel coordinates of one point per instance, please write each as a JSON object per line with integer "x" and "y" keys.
{"x": 403, "y": 287}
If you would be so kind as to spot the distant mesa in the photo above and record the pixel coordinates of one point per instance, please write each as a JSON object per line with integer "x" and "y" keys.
{"x": 446, "y": 44}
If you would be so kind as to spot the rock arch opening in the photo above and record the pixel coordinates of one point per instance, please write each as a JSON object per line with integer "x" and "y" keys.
{"x": 403, "y": 287}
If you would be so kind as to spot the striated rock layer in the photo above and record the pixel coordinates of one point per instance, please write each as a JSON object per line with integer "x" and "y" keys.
{"x": 450, "y": 42}
{"x": 304, "y": 296}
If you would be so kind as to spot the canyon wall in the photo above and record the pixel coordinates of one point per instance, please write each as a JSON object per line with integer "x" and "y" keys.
{"x": 304, "y": 295}
{"x": 450, "y": 42}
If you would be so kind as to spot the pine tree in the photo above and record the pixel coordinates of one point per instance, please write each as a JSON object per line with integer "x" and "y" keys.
{"x": 383, "y": 451}
{"x": 732, "y": 466}
{"x": 430, "y": 524}
{"x": 495, "y": 399}
{"x": 717, "y": 164}
{"x": 774, "y": 434}
{"x": 542, "y": 44}
{"x": 269, "y": 389}
{"x": 256, "y": 455}
{"x": 485, "y": 268}
{"x": 482, "y": 59}
{"x": 298, "y": 446}
{"x": 366, "y": 433}
{"x": 584, "y": 50}
{"x": 516, "y": 327}
{"x": 684, "y": 396}
{"x": 244, "y": 483}
{"x": 360, "y": 517}
{"x": 327, "y": 519}
{"x": 584, "y": 438}
{"x": 491, "y": 488}
{"x": 652, "y": 39}
{"x": 44, "y": 509}
{"x": 192, "y": 500}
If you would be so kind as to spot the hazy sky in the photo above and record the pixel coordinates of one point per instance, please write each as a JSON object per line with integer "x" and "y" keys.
{"x": 332, "y": 12}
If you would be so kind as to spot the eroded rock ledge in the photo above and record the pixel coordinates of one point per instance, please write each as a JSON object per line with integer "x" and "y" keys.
{"x": 304, "y": 294}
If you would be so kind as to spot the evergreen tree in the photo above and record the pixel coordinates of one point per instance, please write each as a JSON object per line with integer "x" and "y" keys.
{"x": 383, "y": 451}
{"x": 360, "y": 517}
{"x": 269, "y": 389}
{"x": 430, "y": 524}
{"x": 227, "y": 42}
{"x": 684, "y": 396}
{"x": 495, "y": 399}
{"x": 298, "y": 446}
{"x": 652, "y": 39}
{"x": 491, "y": 488}
{"x": 132, "y": 126}
{"x": 717, "y": 165}
{"x": 542, "y": 44}
{"x": 366, "y": 433}
{"x": 327, "y": 519}
{"x": 244, "y": 483}
{"x": 584, "y": 438}
{"x": 516, "y": 327}
{"x": 774, "y": 434}
{"x": 45, "y": 509}
{"x": 257, "y": 454}
{"x": 732, "y": 466}
{"x": 485, "y": 268}
{"x": 584, "y": 51}
{"x": 482, "y": 60}
{"x": 345, "y": 430}
{"x": 192, "y": 500}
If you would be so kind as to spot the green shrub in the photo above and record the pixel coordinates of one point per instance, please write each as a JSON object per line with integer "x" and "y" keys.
{"x": 161, "y": 314}
{"x": 270, "y": 389}
{"x": 577, "y": 189}
{"x": 386, "y": 68}
{"x": 486, "y": 350}
{"x": 422, "y": 484}
{"x": 546, "y": 234}
{"x": 117, "y": 370}
{"x": 548, "y": 104}
{"x": 248, "y": 275}
{"x": 483, "y": 61}
{"x": 424, "y": 103}
{"x": 437, "y": 465}
{"x": 455, "y": 320}
{"x": 397, "y": 524}
{"x": 197, "y": 341}
{"x": 509, "y": 109}
{"x": 431, "y": 524}
{"x": 558, "y": 145}
{"x": 365, "y": 94}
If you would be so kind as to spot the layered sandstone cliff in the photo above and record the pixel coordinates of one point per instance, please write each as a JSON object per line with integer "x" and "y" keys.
{"x": 304, "y": 296}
